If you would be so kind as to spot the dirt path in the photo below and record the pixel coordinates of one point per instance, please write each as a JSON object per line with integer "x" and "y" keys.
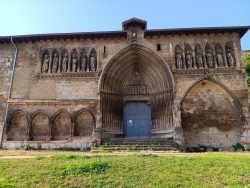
{"x": 17, "y": 157}
{"x": 34, "y": 154}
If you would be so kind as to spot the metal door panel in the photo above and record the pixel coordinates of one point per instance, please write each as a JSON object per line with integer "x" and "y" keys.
{"x": 137, "y": 119}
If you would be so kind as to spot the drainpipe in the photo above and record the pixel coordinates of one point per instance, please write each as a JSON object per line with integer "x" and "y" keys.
{"x": 10, "y": 88}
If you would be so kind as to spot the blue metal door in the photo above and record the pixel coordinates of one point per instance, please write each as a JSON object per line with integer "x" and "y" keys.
{"x": 137, "y": 119}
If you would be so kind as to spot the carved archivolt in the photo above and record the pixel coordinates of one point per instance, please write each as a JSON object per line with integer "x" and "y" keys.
{"x": 68, "y": 61}
{"x": 211, "y": 56}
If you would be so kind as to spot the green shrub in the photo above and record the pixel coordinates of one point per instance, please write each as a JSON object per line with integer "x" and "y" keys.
{"x": 238, "y": 146}
{"x": 64, "y": 157}
{"x": 246, "y": 60}
{"x": 148, "y": 155}
{"x": 170, "y": 138}
{"x": 201, "y": 148}
{"x": 71, "y": 157}
{"x": 216, "y": 149}
{"x": 39, "y": 157}
{"x": 90, "y": 167}
{"x": 27, "y": 147}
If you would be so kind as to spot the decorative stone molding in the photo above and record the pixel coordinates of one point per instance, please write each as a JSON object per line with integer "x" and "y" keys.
{"x": 67, "y": 75}
{"x": 206, "y": 71}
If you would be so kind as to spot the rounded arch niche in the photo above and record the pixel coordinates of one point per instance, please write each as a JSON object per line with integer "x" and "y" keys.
{"x": 136, "y": 73}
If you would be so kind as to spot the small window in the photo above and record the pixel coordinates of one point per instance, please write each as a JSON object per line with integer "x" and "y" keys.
{"x": 158, "y": 47}
{"x": 105, "y": 52}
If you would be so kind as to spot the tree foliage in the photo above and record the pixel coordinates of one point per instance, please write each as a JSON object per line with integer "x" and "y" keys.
{"x": 246, "y": 59}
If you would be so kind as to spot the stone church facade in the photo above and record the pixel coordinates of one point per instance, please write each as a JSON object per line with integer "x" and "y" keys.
{"x": 78, "y": 89}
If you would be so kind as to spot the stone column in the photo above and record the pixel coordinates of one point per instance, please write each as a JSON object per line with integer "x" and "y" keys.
{"x": 49, "y": 138}
{"x": 28, "y": 130}
{"x": 97, "y": 133}
{"x": 4, "y": 133}
{"x": 245, "y": 122}
{"x": 72, "y": 128}
{"x": 178, "y": 132}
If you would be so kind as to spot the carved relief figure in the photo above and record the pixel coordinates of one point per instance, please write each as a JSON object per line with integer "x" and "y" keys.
{"x": 45, "y": 63}
{"x": 219, "y": 56}
{"x": 188, "y": 56}
{"x": 134, "y": 36}
{"x": 210, "y": 63}
{"x": 93, "y": 61}
{"x": 209, "y": 56}
{"x": 178, "y": 60}
{"x": 199, "y": 56}
{"x": 230, "y": 54}
{"x": 55, "y": 62}
{"x": 189, "y": 61}
{"x": 65, "y": 62}
{"x": 84, "y": 63}
{"x": 220, "y": 60}
{"x": 230, "y": 59}
{"x": 178, "y": 57}
{"x": 74, "y": 62}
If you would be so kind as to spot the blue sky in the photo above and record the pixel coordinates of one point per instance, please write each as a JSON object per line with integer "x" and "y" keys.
{"x": 18, "y": 17}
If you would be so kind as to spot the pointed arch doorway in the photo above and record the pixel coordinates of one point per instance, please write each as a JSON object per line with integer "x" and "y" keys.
{"x": 136, "y": 85}
{"x": 136, "y": 109}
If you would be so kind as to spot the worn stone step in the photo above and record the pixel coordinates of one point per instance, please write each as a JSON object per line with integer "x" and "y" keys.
{"x": 136, "y": 149}
{"x": 139, "y": 145}
{"x": 138, "y": 140}
{"x": 136, "y": 144}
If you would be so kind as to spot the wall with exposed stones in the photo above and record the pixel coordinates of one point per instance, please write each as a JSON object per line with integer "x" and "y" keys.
{"x": 209, "y": 116}
{"x": 46, "y": 101}
{"x": 6, "y": 60}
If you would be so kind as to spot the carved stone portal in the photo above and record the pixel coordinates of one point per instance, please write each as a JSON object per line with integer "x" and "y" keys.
{"x": 136, "y": 86}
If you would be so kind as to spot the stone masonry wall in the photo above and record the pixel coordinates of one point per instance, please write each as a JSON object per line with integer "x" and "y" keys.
{"x": 31, "y": 92}
{"x": 6, "y": 60}
{"x": 209, "y": 116}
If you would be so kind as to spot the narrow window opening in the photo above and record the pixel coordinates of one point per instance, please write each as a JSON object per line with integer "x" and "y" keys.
{"x": 158, "y": 47}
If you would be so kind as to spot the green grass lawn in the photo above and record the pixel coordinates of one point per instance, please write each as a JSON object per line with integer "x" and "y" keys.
{"x": 130, "y": 170}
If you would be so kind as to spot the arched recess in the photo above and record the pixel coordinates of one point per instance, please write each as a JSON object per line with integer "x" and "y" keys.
{"x": 136, "y": 61}
{"x": 39, "y": 127}
{"x": 61, "y": 125}
{"x": 211, "y": 115}
{"x": 83, "y": 123}
{"x": 17, "y": 128}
